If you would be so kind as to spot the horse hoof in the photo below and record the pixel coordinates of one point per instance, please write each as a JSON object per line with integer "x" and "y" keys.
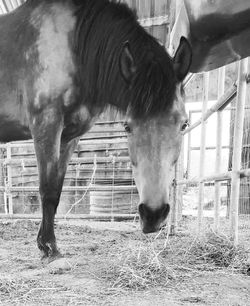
{"x": 59, "y": 266}
{"x": 48, "y": 258}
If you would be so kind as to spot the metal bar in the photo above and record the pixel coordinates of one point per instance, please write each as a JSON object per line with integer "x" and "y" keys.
{"x": 105, "y": 217}
{"x": 237, "y": 145}
{"x": 74, "y": 160}
{"x": 211, "y": 147}
{"x": 72, "y": 188}
{"x": 215, "y": 177}
{"x": 203, "y": 149}
{"x": 210, "y": 178}
{"x": 223, "y": 100}
{"x": 221, "y": 87}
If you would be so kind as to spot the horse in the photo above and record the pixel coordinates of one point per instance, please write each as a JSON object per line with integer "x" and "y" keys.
{"x": 62, "y": 62}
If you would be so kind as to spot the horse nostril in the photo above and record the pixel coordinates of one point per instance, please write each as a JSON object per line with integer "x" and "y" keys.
{"x": 141, "y": 209}
{"x": 165, "y": 210}
{"x": 144, "y": 211}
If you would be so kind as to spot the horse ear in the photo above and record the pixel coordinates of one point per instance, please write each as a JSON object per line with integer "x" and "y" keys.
{"x": 182, "y": 59}
{"x": 127, "y": 63}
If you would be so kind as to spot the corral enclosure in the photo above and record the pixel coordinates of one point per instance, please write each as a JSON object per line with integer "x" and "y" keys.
{"x": 182, "y": 270}
{"x": 99, "y": 180}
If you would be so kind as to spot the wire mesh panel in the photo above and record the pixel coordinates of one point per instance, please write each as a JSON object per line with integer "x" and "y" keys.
{"x": 99, "y": 172}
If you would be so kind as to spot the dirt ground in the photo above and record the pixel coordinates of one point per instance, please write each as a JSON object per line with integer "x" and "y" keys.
{"x": 85, "y": 277}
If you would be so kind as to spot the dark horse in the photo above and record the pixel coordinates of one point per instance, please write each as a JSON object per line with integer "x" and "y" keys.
{"x": 61, "y": 63}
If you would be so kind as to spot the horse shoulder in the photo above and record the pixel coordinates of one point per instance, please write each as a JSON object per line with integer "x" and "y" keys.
{"x": 55, "y": 61}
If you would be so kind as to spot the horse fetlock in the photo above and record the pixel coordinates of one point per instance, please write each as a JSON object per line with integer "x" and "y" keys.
{"x": 48, "y": 248}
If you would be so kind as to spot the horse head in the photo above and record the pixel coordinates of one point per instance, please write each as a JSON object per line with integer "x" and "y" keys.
{"x": 154, "y": 139}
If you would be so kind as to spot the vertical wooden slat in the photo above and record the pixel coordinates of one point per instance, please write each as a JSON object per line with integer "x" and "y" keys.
{"x": 9, "y": 177}
{"x": 237, "y": 147}
{"x": 180, "y": 176}
{"x": 202, "y": 150}
{"x": 12, "y": 4}
{"x": 174, "y": 210}
{"x": 151, "y": 15}
{"x": 189, "y": 147}
{"x": 7, "y": 5}
{"x": 221, "y": 87}
{"x": 3, "y": 8}
{"x": 133, "y": 4}
{"x": 177, "y": 191}
{"x": 16, "y": 3}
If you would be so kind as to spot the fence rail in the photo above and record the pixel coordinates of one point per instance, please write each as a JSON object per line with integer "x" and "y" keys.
{"x": 233, "y": 176}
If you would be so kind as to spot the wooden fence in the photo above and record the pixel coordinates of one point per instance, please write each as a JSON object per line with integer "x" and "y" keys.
{"x": 100, "y": 169}
{"x": 236, "y": 173}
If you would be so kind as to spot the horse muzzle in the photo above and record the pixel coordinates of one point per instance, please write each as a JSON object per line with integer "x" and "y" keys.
{"x": 152, "y": 219}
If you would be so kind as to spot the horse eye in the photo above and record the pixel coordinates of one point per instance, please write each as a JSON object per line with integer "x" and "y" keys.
{"x": 127, "y": 128}
{"x": 185, "y": 126}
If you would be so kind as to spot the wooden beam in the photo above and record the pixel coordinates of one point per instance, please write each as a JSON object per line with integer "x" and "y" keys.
{"x": 237, "y": 146}
{"x": 222, "y": 102}
{"x": 203, "y": 149}
{"x": 221, "y": 87}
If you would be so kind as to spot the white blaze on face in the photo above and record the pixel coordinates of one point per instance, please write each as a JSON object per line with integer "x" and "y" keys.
{"x": 55, "y": 57}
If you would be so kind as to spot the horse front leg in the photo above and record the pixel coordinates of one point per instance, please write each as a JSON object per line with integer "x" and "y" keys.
{"x": 50, "y": 199}
{"x": 47, "y": 130}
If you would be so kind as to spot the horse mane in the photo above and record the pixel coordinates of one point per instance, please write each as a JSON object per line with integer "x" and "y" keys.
{"x": 102, "y": 28}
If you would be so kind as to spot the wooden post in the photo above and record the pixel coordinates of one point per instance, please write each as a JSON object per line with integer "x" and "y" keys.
{"x": 217, "y": 184}
{"x": 189, "y": 151}
{"x": 174, "y": 209}
{"x": 9, "y": 181}
{"x": 202, "y": 150}
{"x": 152, "y": 14}
{"x": 237, "y": 147}
{"x": 180, "y": 176}
{"x": 177, "y": 191}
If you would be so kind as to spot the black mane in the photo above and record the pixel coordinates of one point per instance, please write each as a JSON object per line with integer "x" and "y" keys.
{"x": 102, "y": 28}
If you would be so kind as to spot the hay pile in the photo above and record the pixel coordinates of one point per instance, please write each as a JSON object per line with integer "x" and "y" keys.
{"x": 165, "y": 261}
{"x": 139, "y": 268}
{"x": 219, "y": 252}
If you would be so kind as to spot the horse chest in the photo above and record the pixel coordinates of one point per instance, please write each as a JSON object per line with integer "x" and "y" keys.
{"x": 55, "y": 66}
